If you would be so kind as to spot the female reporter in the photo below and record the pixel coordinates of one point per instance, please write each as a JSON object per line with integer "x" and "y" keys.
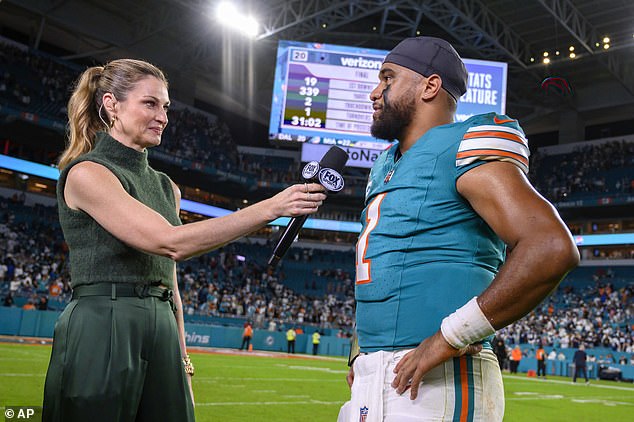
{"x": 119, "y": 347}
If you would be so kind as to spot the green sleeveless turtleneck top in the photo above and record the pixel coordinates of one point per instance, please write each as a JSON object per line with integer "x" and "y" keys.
{"x": 96, "y": 256}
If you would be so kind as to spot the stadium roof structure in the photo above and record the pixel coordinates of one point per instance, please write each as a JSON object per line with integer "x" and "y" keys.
{"x": 207, "y": 62}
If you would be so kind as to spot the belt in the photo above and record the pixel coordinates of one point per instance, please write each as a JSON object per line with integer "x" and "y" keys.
{"x": 115, "y": 290}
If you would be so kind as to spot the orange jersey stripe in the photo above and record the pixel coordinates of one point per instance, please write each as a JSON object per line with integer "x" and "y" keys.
{"x": 478, "y": 152}
{"x": 464, "y": 386}
{"x": 494, "y": 134}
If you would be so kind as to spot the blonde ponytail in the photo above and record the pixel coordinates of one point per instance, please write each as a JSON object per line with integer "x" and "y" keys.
{"x": 83, "y": 119}
{"x": 86, "y": 115}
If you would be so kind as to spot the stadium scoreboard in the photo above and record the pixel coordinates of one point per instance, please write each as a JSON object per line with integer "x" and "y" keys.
{"x": 322, "y": 94}
{"x": 321, "y": 97}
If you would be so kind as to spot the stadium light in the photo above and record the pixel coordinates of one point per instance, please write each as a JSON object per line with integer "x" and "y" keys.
{"x": 229, "y": 16}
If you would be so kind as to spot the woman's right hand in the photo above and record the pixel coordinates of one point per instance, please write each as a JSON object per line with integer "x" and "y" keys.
{"x": 297, "y": 200}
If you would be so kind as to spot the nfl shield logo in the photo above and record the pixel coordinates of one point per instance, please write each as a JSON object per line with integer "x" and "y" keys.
{"x": 363, "y": 414}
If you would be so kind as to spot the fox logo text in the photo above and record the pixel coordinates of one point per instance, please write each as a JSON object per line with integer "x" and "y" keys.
{"x": 331, "y": 179}
{"x": 310, "y": 170}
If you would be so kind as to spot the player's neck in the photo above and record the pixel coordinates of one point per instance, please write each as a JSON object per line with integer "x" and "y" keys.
{"x": 420, "y": 125}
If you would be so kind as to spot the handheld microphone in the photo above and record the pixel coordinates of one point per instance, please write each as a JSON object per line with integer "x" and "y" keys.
{"x": 327, "y": 172}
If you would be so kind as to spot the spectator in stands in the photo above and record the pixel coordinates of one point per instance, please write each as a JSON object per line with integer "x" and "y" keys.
{"x": 8, "y": 300}
{"x": 29, "y": 305}
{"x": 55, "y": 288}
{"x": 43, "y": 303}
{"x": 579, "y": 360}
{"x": 120, "y": 219}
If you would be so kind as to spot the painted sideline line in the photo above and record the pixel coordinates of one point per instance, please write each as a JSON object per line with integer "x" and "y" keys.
{"x": 23, "y": 375}
{"x": 47, "y": 341}
{"x": 580, "y": 384}
{"x": 209, "y": 379}
{"x": 213, "y": 379}
{"x": 268, "y": 403}
{"x": 262, "y": 353}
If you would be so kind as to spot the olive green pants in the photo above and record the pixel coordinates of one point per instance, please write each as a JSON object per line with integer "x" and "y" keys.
{"x": 116, "y": 360}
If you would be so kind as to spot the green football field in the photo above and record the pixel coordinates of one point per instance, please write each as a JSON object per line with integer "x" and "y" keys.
{"x": 243, "y": 387}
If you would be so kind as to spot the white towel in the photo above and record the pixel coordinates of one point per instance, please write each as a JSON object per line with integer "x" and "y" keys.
{"x": 366, "y": 401}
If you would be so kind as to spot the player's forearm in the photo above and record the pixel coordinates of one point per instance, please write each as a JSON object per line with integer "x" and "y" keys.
{"x": 532, "y": 270}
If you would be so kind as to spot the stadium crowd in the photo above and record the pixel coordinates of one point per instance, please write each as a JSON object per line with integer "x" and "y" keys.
{"x": 595, "y": 315}
{"x": 590, "y": 169}
{"x": 44, "y": 86}
{"x": 228, "y": 284}
{"x": 197, "y": 137}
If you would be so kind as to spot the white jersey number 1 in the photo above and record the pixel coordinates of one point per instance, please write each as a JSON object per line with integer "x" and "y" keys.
{"x": 372, "y": 218}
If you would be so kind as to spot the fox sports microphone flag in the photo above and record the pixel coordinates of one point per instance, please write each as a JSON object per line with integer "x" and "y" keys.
{"x": 326, "y": 172}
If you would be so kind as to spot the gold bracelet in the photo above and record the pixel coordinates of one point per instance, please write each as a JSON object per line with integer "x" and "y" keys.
{"x": 189, "y": 366}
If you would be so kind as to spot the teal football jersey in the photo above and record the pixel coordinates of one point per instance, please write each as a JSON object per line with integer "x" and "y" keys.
{"x": 423, "y": 251}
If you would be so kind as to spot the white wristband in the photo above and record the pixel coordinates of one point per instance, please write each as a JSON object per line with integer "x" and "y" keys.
{"x": 466, "y": 326}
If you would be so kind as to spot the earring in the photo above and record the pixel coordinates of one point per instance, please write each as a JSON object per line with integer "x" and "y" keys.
{"x": 114, "y": 119}
{"x": 102, "y": 119}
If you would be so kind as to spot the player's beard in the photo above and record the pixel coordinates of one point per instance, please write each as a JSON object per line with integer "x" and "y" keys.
{"x": 394, "y": 117}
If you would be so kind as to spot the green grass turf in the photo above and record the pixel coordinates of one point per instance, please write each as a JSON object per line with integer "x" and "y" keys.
{"x": 251, "y": 388}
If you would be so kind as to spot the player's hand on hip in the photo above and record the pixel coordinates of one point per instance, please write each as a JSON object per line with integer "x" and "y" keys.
{"x": 430, "y": 353}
